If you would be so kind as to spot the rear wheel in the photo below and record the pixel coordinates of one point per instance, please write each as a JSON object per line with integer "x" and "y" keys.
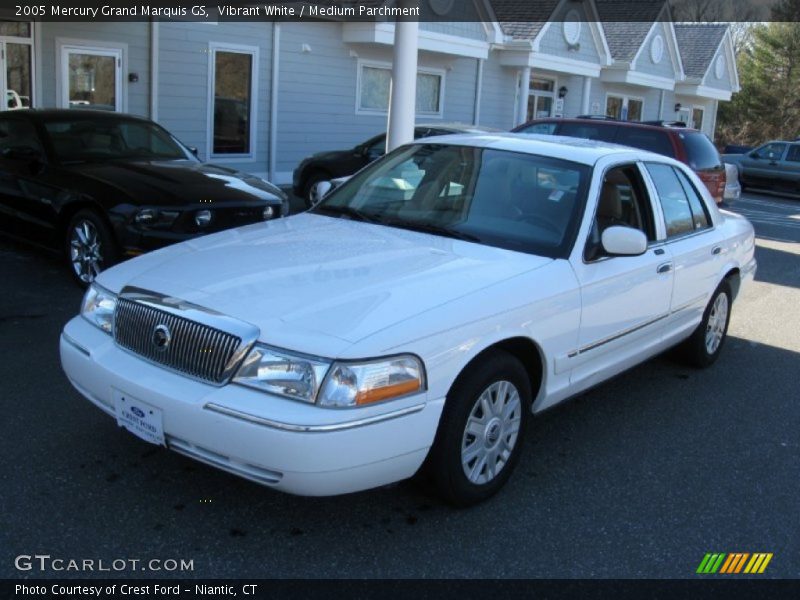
{"x": 480, "y": 434}
{"x": 704, "y": 346}
{"x": 90, "y": 246}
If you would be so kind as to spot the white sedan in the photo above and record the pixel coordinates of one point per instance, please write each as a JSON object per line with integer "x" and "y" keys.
{"x": 417, "y": 317}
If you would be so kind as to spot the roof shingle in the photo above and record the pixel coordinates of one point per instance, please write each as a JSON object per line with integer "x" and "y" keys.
{"x": 698, "y": 43}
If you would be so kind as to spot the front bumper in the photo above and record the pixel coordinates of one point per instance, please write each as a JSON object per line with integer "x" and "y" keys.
{"x": 288, "y": 445}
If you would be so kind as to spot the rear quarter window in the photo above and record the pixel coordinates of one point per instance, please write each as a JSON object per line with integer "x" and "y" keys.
{"x": 701, "y": 155}
{"x": 646, "y": 139}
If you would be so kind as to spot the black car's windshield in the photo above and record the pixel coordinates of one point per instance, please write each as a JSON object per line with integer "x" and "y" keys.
{"x": 108, "y": 139}
{"x": 522, "y": 202}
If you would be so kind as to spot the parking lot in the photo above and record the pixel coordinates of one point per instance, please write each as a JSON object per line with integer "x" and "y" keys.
{"x": 637, "y": 478}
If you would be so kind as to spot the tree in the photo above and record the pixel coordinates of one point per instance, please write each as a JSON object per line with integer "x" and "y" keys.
{"x": 768, "y": 105}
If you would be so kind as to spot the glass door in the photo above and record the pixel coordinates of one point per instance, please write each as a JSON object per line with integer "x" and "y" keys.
{"x": 91, "y": 78}
{"x": 541, "y": 98}
{"x": 16, "y": 65}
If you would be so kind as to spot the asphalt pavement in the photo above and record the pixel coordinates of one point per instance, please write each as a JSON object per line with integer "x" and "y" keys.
{"x": 640, "y": 477}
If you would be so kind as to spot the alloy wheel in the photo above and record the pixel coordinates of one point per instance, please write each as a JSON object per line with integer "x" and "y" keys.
{"x": 85, "y": 251}
{"x": 717, "y": 319}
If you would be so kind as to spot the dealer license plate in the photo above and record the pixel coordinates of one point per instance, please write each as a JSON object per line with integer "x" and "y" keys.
{"x": 139, "y": 418}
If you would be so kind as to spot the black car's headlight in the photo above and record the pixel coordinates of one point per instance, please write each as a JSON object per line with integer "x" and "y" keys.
{"x": 153, "y": 217}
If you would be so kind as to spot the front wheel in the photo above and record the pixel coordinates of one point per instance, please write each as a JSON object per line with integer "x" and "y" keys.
{"x": 480, "y": 434}
{"x": 704, "y": 346}
{"x": 90, "y": 246}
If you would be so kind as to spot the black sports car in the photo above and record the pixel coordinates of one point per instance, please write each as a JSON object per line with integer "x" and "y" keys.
{"x": 325, "y": 166}
{"x": 105, "y": 186}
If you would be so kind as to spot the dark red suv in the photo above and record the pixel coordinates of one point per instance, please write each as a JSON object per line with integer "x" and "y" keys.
{"x": 673, "y": 139}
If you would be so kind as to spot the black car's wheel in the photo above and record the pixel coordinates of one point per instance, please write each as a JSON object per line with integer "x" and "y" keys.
{"x": 480, "y": 433}
{"x": 310, "y": 187}
{"x": 704, "y": 346}
{"x": 90, "y": 246}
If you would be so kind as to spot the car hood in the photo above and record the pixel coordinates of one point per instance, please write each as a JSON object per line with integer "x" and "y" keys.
{"x": 311, "y": 275}
{"x": 178, "y": 181}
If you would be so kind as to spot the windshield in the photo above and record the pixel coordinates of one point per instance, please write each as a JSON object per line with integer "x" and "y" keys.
{"x": 105, "y": 139}
{"x": 511, "y": 200}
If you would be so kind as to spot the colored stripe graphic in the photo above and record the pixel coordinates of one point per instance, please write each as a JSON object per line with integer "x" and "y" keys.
{"x": 711, "y": 563}
{"x": 734, "y": 562}
{"x": 758, "y": 563}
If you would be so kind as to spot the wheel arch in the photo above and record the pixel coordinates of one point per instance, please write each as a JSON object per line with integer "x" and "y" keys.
{"x": 524, "y": 349}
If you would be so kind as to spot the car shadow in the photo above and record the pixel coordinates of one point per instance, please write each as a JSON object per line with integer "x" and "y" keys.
{"x": 778, "y": 267}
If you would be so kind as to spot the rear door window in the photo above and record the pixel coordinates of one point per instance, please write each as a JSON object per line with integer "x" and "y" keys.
{"x": 701, "y": 155}
{"x": 541, "y": 128}
{"x": 646, "y": 139}
{"x": 591, "y": 131}
{"x": 698, "y": 207}
{"x": 675, "y": 201}
{"x": 794, "y": 153}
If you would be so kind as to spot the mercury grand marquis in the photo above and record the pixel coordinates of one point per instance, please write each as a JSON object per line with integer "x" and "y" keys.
{"x": 417, "y": 317}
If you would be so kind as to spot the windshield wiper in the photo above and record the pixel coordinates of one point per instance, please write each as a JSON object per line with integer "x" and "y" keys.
{"x": 346, "y": 211}
{"x": 430, "y": 228}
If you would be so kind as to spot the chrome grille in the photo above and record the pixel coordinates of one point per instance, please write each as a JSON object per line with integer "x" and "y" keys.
{"x": 196, "y": 349}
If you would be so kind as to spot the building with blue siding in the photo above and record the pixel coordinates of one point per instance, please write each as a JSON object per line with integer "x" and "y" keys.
{"x": 261, "y": 96}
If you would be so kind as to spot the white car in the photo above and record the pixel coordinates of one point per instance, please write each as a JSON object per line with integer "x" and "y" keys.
{"x": 413, "y": 326}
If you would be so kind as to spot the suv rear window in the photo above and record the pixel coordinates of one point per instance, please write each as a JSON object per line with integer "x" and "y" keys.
{"x": 646, "y": 139}
{"x": 701, "y": 154}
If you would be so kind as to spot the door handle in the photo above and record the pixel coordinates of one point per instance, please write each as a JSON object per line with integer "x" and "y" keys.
{"x": 664, "y": 268}
{"x": 716, "y": 250}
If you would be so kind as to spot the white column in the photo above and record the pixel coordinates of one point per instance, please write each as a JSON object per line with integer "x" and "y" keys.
{"x": 273, "y": 101}
{"x": 154, "y": 40}
{"x": 403, "y": 93}
{"x": 522, "y": 99}
{"x": 586, "y": 95}
{"x": 476, "y": 111}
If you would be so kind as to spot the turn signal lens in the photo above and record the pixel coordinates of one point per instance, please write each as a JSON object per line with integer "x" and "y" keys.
{"x": 359, "y": 384}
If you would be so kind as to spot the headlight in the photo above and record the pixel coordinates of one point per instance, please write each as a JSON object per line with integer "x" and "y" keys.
{"x": 282, "y": 373}
{"x": 98, "y": 307}
{"x": 152, "y": 217}
{"x": 357, "y": 384}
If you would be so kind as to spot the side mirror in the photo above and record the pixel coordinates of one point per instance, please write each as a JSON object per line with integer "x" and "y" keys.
{"x": 624, "y": 241}
{"x": 194, "y": 150}
{"x": 754, "y": 155}
{"x": 22, "y": 153}
{"x": 319, "y": 191}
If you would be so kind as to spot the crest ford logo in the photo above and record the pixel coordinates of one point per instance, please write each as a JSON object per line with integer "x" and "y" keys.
{"x": 734, "y": 562}
{"x": 161, "y": 337}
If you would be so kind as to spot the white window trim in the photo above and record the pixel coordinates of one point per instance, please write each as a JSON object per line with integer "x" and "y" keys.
{"x": 625, "y": 98}
{"x": 89, "y": 46}
{"x": 33, "y": 42}
{"x": 361, "y": 63}
{"x": 213, "y": 48}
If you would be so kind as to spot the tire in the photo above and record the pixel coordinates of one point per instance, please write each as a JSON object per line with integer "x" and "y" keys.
{"x": 313, "y": 179}
{"x": 89, "y": 246}
{"x": 497, "y": 378}
{"x": 703, "y": 348}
